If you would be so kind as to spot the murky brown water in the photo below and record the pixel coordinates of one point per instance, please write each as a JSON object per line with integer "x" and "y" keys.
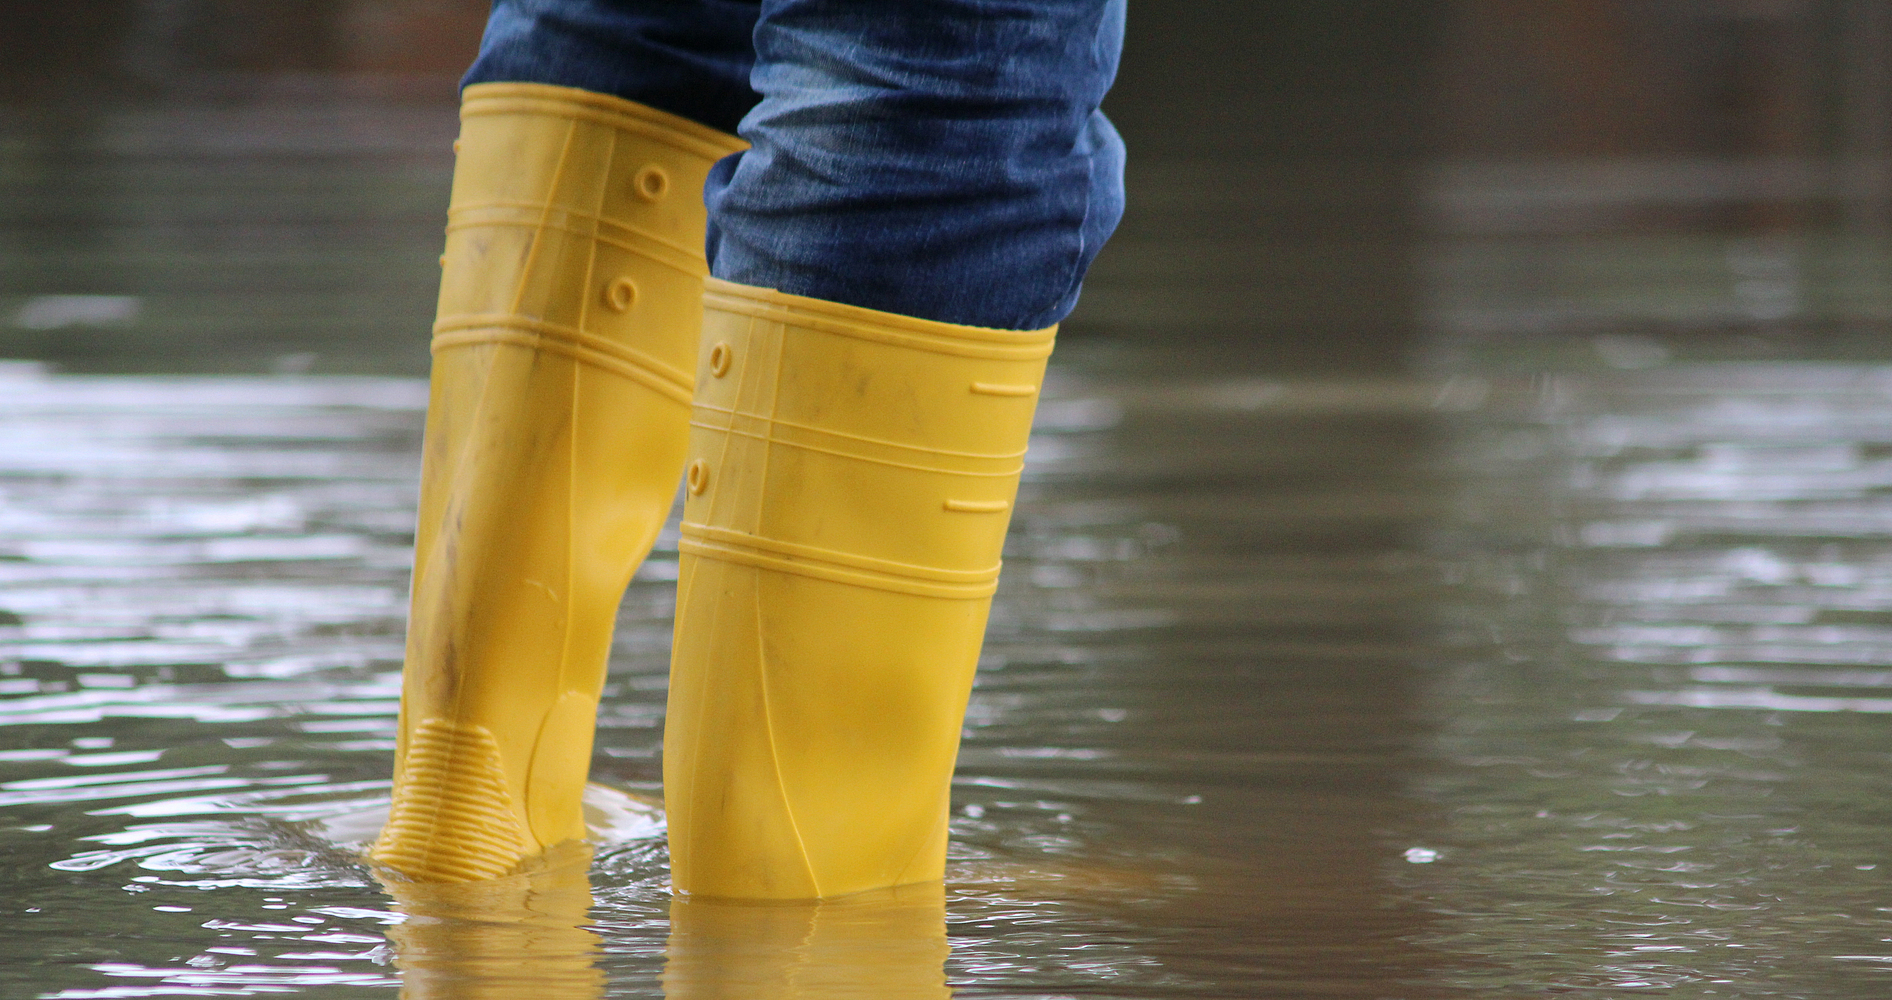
{"x": 1183, "y": 771}
{"x": 1295, "y": 688}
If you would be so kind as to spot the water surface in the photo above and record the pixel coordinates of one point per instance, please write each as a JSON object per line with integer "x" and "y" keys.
{"x": 1181, "y": 773}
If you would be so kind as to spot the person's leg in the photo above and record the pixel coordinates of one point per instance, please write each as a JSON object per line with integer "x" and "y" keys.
{"x": 570, "y": 305}
{"x": 943, "y": 159}
{"x": 928, "y": 181}
{"x": 688, "y": 57}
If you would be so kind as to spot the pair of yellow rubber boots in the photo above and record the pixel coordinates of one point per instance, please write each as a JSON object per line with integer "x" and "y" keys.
{"x": 849, "y": 476}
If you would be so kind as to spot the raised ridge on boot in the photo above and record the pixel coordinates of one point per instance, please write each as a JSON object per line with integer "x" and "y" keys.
{"x": 456, "y": 820}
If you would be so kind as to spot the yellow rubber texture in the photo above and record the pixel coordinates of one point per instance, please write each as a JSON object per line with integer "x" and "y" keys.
{"x": 570, "y": 304}
{"x": 850, "y": 480}
{"x": 887, "y": 945}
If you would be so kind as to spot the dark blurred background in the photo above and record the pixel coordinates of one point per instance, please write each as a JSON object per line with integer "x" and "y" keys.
{"x": 1323, "y": 185}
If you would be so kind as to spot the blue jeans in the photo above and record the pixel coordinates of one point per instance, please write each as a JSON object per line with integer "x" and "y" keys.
{"x": 944, "y": 159}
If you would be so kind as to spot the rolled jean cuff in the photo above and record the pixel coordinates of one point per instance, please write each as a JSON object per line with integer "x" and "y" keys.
{"x": 689, "y": 57}
{"x": 942, "y": 159}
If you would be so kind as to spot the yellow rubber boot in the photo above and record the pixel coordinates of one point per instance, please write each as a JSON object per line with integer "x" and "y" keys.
{"x": 851, "y": 477}
{"x": 569, "y": 308}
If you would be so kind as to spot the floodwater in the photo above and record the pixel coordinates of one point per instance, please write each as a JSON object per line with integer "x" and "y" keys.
{"x": 1182, "y": 772}
{"x": 1556, "y": 661}
{"x": 1507, "y": 683}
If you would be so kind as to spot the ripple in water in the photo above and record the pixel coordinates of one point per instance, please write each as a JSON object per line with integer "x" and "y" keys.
{"x": 202, "y": 591}
{"x": 1661, "y": 738}
{"x": 1218, "y": 746}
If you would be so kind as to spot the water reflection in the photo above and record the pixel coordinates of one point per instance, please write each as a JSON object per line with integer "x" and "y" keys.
{"x": 1179, "y": 773}
{"x": 526, "y": 937}
{"x": 1662, "y": 741}
{"x": 885, "y": 944}
{"x": 523, "y": 937}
